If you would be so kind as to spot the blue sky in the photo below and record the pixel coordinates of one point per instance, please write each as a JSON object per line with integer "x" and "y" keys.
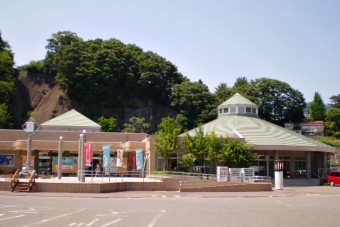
{"x": 294, "y": 41}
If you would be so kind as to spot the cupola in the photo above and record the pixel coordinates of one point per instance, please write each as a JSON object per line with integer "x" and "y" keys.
{"x": 238, "y": 105}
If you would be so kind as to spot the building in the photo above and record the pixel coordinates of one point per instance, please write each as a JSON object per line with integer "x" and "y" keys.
{"x": 67, "y": 129}
{"x": 238, "y": 118}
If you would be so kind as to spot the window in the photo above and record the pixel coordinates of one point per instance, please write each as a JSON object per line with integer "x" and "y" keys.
{"x": 241, "y": 109}
{"x": 254, "y": 110}
{"x": 226, "y": 110}
{"x": 233, "y": 109}
{"x": 248, "y": 110}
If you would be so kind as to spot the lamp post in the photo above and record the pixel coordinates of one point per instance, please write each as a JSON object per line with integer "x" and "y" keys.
{"x": 81, "y": 160}
{"x": 60, "y": 154}
{"x": 29, "y": 127}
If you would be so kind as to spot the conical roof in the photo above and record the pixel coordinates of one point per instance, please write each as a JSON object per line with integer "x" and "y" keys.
{"x": 237, "y": 99}
{"x": 71, "y": 119}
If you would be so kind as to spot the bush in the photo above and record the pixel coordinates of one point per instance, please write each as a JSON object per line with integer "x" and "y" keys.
{"x": 336, "y": 135}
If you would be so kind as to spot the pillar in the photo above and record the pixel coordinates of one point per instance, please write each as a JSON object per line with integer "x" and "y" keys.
{"x": 308, "y": 164}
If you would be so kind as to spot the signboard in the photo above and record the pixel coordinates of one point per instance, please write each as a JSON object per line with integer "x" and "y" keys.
{"x": 29, "y": 126}
{"x": 6, "y": 159}
{"x": 88, "y": 153}
{"x": 139, "y": 159}
{"x": 68, "y": 164}
{"x": 106, "y": 156}
{"x": 120, "y": 155}
{"x": 222, "y": 173}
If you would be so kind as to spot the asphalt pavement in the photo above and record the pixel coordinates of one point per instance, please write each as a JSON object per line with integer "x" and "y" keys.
{"x": 285, "y": 192}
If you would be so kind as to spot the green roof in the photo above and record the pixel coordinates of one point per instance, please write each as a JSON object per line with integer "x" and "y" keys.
{"x": 262, "y": 134}
{"x": 237, "y": 99}
{"x": 71, "y": 118}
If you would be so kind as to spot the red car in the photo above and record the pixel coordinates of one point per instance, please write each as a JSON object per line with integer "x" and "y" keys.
{"x": 334, "y": 177}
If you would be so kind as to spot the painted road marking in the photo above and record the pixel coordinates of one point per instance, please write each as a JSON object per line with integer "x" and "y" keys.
{"x": 153, "y": 221}
{"x": 110, "y": 223}
{"x": 50, "y": 219}
{"x": 29, "y": 211}
{"x": 18, "y": 216}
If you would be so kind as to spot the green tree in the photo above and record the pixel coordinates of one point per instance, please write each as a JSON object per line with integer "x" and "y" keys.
{"x": 113, "y": 71}
{"x": 318, "y": 108}
{"x": 222, "y": 93}
{"x": 108, "y": 124}
{"x": 278, "y": 102}
{"x": 332, "y": 121}
{"x": 194, "y": 102}
{"x": 335, "y": 101}
{"x": 167, "y": 135}
{"x": 197, "y": 145}
{"x": 54, "y": 44}
{"x": 187, "y": 161}
{"x": 136, "y": 125}
{"x": 236, "y": 153}
{"x": 7, "y": 83}
{"x": 5, "y": 117}
{"x": 242, "y": 86}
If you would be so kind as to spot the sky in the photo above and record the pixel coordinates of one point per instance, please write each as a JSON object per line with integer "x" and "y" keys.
{"x": 216, "y": 41}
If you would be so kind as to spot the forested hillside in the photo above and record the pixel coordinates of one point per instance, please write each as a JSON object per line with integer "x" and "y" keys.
{"x": 110, "y": 79}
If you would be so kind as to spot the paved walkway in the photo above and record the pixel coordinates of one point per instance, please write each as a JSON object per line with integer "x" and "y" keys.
{"x": 287, "y": 191}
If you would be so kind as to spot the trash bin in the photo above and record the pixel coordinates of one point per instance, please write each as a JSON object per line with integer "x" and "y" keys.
{"x": 278, "y": 167}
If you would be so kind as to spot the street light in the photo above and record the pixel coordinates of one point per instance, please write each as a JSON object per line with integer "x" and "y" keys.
{"x": 29, "y": 127}
{"x": 81, "y": 160}
{"x": 60, "y": 154}
{"x": 81, "y": 175}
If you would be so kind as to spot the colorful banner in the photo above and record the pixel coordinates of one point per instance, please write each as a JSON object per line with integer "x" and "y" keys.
{"x": 106, "y": 156}
{"x": 88, "y": 153}
{"x": 120, "y": 154}
{"x": 139, "y": 159}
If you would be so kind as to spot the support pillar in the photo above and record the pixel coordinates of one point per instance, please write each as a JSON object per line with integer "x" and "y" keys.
{"x": 308, "y": 164}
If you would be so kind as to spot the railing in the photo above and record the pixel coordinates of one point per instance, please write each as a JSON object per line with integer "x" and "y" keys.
{"x": 31, "y": 181}
{"x": 15, "y": 180}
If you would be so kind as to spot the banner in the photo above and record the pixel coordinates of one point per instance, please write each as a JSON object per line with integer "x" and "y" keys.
{"x": 120, "y": 154}
{"x": 106, "y": 156}
{"x": 88, "y": 153}
{"x": 139, "y": 159}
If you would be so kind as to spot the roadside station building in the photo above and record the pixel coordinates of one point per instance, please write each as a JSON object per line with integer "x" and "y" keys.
{"x": 237, "y": 117}
{"x": 45, "y": 141}
{"x": 302, "y": 156}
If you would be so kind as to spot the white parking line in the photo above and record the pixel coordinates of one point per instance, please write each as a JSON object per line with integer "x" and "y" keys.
{"x": 18, "y": 216}
{"x": 115, "y": 221}
{"x": 92, "y": 222}
{"x": 50, "y": 219}
{"x": 153, "y": 222}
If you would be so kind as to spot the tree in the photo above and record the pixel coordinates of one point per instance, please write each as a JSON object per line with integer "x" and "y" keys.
{"x": 242, "y": 86}
{"x": 5, "y": 117}
{"x": 222, "y": 93}
{"x": 136, "y": 125}
{"x": 7, "y": 83}
{"x": 197, "y": 145}
{"x": 167, "y": 135}
{"x": 332, "y": 121}
{"x": 194, "y": 102}
{"x": 318, "y": 109}
{"x": 108, "y": 124}
{"x": 2, "y": 43}
{"x": 278, "y": 102}
{"x": 230, "y": 152}
{"x": 335, "y": 101}
{"x": 55, "y": 43}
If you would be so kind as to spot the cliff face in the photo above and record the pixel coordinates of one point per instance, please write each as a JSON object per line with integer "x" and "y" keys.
{"x": 39, "y": 98}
